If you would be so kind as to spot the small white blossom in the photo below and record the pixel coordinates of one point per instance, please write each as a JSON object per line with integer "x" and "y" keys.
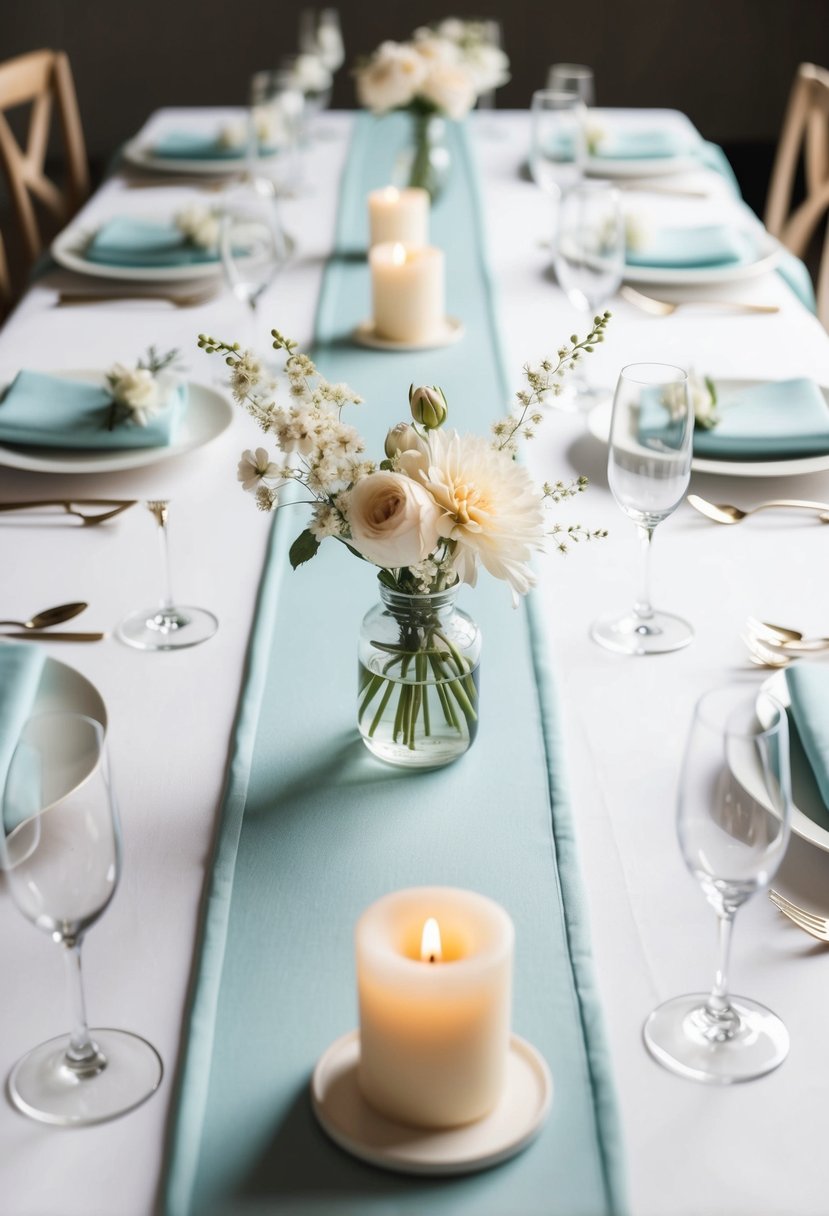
{"x": 199, "y": 225}
{"x": 136, "y": 391}
{"x": 255, "y": 468}
{"x": 245, "y": 375}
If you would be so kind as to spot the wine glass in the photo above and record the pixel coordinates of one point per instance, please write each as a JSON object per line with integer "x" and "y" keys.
{"x": 170, "y": 626}
{"x": 329, "y": 40}
{"x": 648, "y": 468}
{"x": 254, "y": 246}
{"x": 490, "y": 36}
{"x": 61, "y": 849}
{"x": 573, "y": 78}
{"x": 276, "y": 117}
{"x": 733, "y": 822}
{"x": 557, "y": 141}
{"x": 589, "y": 260}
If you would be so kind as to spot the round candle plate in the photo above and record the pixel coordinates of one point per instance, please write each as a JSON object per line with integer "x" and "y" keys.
{"x": 349, "y": 1120}
{"x": 450, "y": 332}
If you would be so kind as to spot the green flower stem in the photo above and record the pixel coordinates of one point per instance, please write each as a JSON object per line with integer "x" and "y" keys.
{"x": 375, "y": 684}
{"x": 383, "y": 703}
{"x": 461, "y": 664}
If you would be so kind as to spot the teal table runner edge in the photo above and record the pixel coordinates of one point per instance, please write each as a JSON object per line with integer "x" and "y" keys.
{"x": 187, "y": 1123}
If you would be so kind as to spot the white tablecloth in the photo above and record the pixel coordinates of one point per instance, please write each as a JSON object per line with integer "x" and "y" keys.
{"x": 752, "y": 1149}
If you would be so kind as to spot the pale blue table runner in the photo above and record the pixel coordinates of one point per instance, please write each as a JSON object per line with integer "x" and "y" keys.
{"x": 314, "y": 829}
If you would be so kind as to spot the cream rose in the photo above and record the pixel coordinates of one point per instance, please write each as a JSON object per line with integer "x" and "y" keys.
{"x": 450, "y": 88}
{"x": 393, "y": 520}
{"x": 391, "y": 78}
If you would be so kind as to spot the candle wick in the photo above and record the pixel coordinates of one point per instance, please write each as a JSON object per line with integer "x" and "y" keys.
{"x": 433, "y": 958}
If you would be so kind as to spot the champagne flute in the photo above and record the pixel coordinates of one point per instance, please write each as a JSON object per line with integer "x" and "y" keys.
{"x": 61, "y": 849}
{"x": 589, "y": 261}
{"x": 733, "y": 820}
{"x": 254, "y": 246}
{"x": 648, "y": 468}
{"x": 170, "y": 626}
{"x": 574, "y": 78}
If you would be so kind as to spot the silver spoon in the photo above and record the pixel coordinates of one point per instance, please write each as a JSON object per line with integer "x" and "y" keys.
{"x": 50, "y": 616}
{"x": 726, "y": 513}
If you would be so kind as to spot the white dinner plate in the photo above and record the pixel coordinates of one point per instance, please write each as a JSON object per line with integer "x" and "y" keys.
{"x": 141, "y": 155}
{"x": 68, "y": 249}
{"x": 62, "y": 689}
{"x": 810, "y": 818}
{"x": 651, "y": 166}
{"x": 598, "y": 424}
{"x": 769, "y": 252}
{"x": 208, "y": 414}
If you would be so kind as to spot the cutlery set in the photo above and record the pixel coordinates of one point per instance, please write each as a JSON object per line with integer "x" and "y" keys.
{"x": 725, "y": 513}
{"x": 775, "y": 646}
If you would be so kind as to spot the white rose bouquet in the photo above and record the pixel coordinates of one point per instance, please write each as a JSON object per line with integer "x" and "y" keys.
{"x": 429, "y": 514}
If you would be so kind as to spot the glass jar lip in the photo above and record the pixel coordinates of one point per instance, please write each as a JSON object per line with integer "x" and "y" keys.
{"x": 393, "y": 596}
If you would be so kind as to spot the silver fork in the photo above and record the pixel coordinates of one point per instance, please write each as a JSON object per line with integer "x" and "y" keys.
{"x": 809, "y": 922}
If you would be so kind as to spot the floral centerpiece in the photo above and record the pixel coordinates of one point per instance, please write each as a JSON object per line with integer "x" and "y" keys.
{"x": 436, "y": 508}
{"x": 439, "y": 73}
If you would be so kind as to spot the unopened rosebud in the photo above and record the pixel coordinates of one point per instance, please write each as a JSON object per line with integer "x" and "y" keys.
{"x": 401, "y": 438}
{"x": 428, "y": 406}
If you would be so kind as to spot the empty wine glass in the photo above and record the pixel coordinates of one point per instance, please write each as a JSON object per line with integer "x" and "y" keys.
{"x": 329, "y": 40}
{"x": 491, "y": 42}
{"x": 61, "y": 849}
{"x": 589, "y": 261}
{"x": 254, "y": 246}
{"x": 276, "y": 118}
{"x": 733, "y": 822}
{"x": 557, "y": 141}
{"x": 170, "y": 626}
{"x": 648, "y": 468}
{"x": 573, "y": 78}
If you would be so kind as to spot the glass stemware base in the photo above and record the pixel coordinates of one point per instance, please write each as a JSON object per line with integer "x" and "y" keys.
{"x": 687, "y": 1039}
{"x": 45, "y": 1087}
{"x": 659, "y": 633}
{"x": 167, "y": 628}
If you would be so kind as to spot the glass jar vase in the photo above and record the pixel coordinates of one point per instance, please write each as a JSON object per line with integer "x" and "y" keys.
{"x": 418, "y": 694}
{"x": 426, "y": 162}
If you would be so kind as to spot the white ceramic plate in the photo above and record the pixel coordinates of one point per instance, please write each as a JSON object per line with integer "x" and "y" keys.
{"x": 208, "y": 415}
{"x": 769, "y": 253}
{"x": 654, "y": 166}
{"x": 514, "y": 1123}
{"x": 651, "y": 166}
{"x": 64, "y": 690}
{"x": 598, "y": 424}
{"x": 68, "y": 250}
{"x": 142, "y": 156}
{"x": 810, "y": 818}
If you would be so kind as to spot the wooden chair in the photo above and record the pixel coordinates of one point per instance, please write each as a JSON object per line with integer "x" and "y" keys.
{"x": 805, "y": 130}
{"x": 43, "y": 80}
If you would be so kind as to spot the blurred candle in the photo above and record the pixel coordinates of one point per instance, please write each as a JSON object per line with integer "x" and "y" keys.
{"x": 399, "y": 215}
{"x": 434, "y": 978}
{"x": 407, "y": 291}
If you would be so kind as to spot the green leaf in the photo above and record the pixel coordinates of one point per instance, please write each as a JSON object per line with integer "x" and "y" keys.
{"x": 303, "y": 549}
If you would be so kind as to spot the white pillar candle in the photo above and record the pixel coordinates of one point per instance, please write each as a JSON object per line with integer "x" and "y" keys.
{"x": 399, "y": 215}
{"x": 407, "y": 291}
{"x": 434, "y": 1006}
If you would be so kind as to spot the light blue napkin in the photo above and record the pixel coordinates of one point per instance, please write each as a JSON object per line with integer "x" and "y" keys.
{"x": 781, "y": 418}
{"x": 197, "y": 145}
{"x": 644, "y": 143}
{"x": 51, "y": 412}
{"x": 683, "y": 248}
{"x": 21, "y": 664}
{"x": 809, "y": 696}
{"x": 124, "y": 241}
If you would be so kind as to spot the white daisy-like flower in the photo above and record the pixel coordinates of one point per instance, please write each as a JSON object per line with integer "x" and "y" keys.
{"x": 255, "y": 468}
{"x": 488, "y": 506}
{"x": 325, "y": 521}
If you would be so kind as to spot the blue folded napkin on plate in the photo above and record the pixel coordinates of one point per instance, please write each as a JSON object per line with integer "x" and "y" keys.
{"x": 21, "y": 664}
{"x": 778, "y": 419}
{"x": 52, "y": 412}
{"x": 197, "y": 145}
{"x": 809, "y": 697}
{"x": 642, "y": 143}
{"x": 685, "y": 248}
{"x": 124, "y": 241}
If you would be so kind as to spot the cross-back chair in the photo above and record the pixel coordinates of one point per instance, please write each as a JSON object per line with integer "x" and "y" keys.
{"x": 42, "y": 80}
{"x": 805, "y": 131}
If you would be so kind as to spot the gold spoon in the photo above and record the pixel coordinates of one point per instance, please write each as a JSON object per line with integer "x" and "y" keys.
{"x": 664, "y": 308}
{"x": 725, "y": 513}
{"x": 50, "y": 616}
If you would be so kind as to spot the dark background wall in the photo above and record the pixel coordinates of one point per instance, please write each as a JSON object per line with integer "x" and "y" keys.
{"x": 727, "y": 63}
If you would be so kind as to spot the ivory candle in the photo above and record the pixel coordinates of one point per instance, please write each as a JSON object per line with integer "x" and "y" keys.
{"x": 399, "y": 215}
{"x": 434, "y": 979}
{"x": 407, "y": 291}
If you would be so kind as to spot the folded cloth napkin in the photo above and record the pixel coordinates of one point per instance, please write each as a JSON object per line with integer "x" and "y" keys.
{"x": 780, "y": 418}
{"x": 124, "y": 241}
{"x": 809, "y": 696}
{"x": 683, "y": 248}
{"x": 21, "y": 664}
{"x": 639, "y": 143}
{"x": 53, "y": 412}
{"x": 198, "y": 145}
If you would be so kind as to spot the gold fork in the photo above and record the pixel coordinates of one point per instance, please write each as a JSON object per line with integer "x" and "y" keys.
{"x": 664, "y": 308}
{"x": 810, "y": 922}
{"x": 87, "y": 521}
{"x": 189, "y": 299}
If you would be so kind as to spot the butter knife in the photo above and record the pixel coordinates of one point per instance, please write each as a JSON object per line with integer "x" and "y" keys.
{"x": 52, "y": 635}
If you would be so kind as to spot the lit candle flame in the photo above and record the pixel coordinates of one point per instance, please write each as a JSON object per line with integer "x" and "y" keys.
{"x": 430, "y": 947}
{"x": 398, "y": 254}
